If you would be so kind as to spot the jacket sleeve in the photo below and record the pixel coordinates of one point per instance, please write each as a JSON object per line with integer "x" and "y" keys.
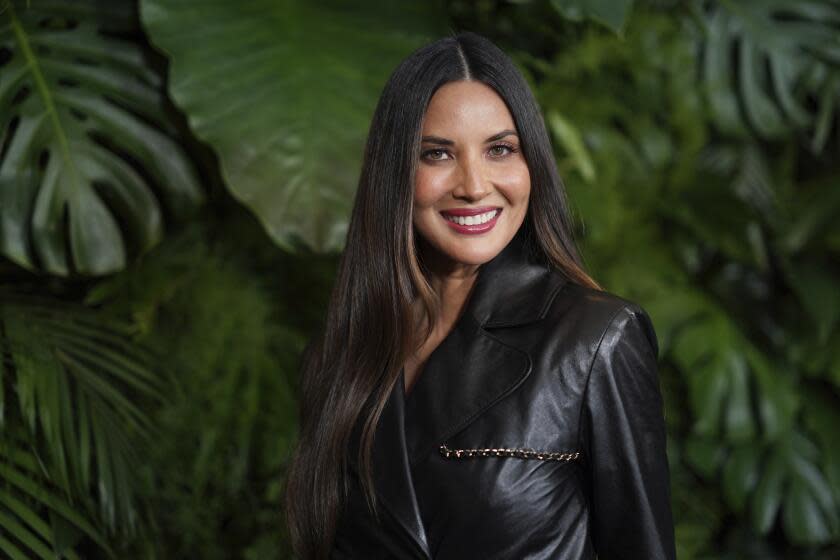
{"x": 623, "y": 438}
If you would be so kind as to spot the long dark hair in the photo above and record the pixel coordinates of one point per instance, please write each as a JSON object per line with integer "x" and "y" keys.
{"x": 371, "y": 327}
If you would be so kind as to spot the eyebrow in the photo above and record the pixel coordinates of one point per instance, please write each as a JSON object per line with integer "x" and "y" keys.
{"x": 447, "y": 142}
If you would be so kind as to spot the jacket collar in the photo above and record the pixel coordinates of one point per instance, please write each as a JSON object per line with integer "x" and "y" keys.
{"x": 513, "y": 288}
{"x": 469, "y": 371}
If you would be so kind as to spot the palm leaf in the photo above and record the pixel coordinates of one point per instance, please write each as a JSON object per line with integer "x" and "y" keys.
{"x": 80, "y": 388}
{"x": 28, "y": 500}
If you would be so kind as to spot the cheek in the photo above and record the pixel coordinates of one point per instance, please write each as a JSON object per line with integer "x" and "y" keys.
{"x": 516, "y": 183}
{"x": 429, "y": 187}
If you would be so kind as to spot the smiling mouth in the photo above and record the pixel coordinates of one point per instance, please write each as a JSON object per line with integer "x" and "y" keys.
{"x": 472, "y": 220}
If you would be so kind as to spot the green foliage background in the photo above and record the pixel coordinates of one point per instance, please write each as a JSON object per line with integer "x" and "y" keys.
{"x": 175, "y": 179}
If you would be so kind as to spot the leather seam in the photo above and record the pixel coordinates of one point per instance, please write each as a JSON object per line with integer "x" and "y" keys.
{"x": 585, "y": 449}
{"x": 564, "y": 282}
{"x": 557, "y": 289}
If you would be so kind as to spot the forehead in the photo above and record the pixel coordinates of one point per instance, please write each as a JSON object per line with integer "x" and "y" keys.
{"x": 466, "y": 105}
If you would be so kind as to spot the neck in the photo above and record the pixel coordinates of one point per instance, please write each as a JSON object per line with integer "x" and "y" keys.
{"x": 452, "y": 282}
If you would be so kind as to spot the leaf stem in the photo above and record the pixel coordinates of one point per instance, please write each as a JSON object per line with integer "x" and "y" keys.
{"x": 43, "y": 90}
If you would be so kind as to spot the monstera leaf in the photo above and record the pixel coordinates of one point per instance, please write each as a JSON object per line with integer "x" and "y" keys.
{"x": 780, "y": 482}
{"x": 89, "y": 168}
{"x": 745, "y": 408}
{"x": 735, "y": 392}
{"x": 284, "y": 92}
{"x": 785, "y": 52}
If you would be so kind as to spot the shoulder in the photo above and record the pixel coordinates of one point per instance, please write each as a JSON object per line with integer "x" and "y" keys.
{"x": 592, "y": 316}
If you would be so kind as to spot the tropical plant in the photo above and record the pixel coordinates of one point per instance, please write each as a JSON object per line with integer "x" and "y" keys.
{"x": 91, "y": 165}
{"x": 784, "y": 76}
{"x": 73, "y": 403}
{"x": 214, "y": 305}
{"x": 696, "y": 139}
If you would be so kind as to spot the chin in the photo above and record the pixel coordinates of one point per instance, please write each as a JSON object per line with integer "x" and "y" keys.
{"x": 464, "y": 249}
{"x": 482, "y": 252}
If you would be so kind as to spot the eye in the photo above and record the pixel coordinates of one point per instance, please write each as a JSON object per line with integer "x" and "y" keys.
{"x": 508, "y": 147}
{"x": 428, "y": 153}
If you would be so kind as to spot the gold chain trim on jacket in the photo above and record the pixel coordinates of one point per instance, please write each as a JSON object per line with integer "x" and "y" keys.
{"x": 508, "y": 452}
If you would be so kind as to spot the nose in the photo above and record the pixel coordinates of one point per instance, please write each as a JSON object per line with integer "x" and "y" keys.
{"x": 471, "y": 184}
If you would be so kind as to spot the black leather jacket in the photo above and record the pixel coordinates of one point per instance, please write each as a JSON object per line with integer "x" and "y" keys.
{"x": 536, "y": 430}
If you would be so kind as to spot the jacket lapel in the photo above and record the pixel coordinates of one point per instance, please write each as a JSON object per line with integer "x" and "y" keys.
{"x": 392, "y": 475}
{"x": 469, "y": 371}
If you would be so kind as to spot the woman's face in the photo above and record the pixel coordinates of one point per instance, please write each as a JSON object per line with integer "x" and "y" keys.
{"x": 471, "y": 171}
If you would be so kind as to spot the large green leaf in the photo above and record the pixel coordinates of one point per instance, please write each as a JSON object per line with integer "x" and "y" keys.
{"x": 791, "y": 481}
{"x": 284, "y": 92}
{"x": 736, "y": 393}
{"x": 89, "y": 166}
{"x": 786, "y": 52}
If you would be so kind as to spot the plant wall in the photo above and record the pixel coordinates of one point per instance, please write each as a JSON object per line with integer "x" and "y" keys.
{"x": 175, "y": 183}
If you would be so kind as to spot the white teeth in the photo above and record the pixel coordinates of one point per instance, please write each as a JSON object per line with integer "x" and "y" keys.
{"x": 472, "y": 220}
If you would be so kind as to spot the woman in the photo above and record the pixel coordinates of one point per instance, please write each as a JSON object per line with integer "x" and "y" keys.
{"x": 474, "y": 393}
